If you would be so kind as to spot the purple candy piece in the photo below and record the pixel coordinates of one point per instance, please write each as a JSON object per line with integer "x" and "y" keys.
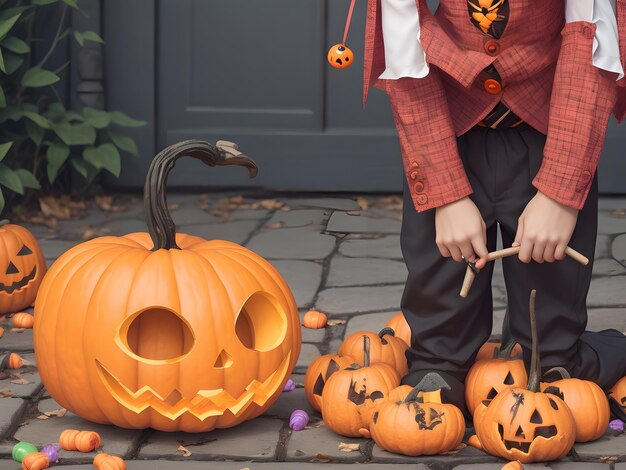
{"x": 289, "y": 386}
{"x": 298, "y": 420}
{"x": 617, "y": 425}
{"x": 52, "y": 451}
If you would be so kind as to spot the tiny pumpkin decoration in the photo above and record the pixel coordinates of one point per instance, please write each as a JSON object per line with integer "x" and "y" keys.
{"x": 523, "y": 423}
{"x": 617, "y": 398}
{"x": 175, "y": 332}
{"x": 516, "y": 465}
{"x": 340, "y": 56}
{"x": 23, "y": 320}
{"x": 350, "y": 395}
{"x": 318, "y": 373}
{"x": 587, "y": 402}
{"x": 10, "y": 361}
{"x": 385, "y": 347}
{"x": 35, "y": 461}
{"x": 82, "y": 441}
{"x": 22, "y": 267}
{"x": 488, "y": 377}
{"x": 106, "y": 461}
{"x": 399, "y": 324}
{"x": 419, "y": 425}
{"x": 314, "y": 319}
{"x": 491, "y": 349}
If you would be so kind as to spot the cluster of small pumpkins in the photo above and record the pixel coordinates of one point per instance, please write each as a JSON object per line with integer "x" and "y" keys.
{"x": 516, "y": 416}
{"x": 70, "y": 439}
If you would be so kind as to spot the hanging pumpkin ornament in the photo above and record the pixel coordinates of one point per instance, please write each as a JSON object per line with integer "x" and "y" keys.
{"x": 523, "y": 423}
{"x": 341, "y": 56}
{"x": 22, "y": 267}
{"x": 399, "y": 324}
{"x": 491, "y": 349}
{"x": 350, "y": 395}
{"x": 489, "y": 377}
{"x": 319, "y": 372}
{"x": 419, "y": 425}
{"x": 617, "y": 398}
{"x": 587, "y": 402}
{"x": 385, "y": 347}
{"x": 175, "y": 332}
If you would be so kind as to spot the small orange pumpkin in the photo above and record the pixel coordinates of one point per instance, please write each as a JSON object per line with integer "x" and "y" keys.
{"x": 419, "y": 425}
{"x": 105, "y": 461}
{"x": 35, "y": 461}
{"x": 340, "y": 56}
{"x": 490, "y": 349}
{"x": 318, "y": 373}
{"x": 314, "y": 319}
{"x": 23, "y": 320}
{"x": 488, "y": 377}
{"x": 516, "y": 465}
{"x": 82, "y": 441}
{"x": 22, "y": 267}
{"x": 399, "y": 324}
{"x": 15, "y": 361}
{"x": 617, "y": 398}
{"x": 523, "y": 423}
{"x": 350, "y": 395}
{"x": 586, "y": 401}
{"x": 385, "y": 347}
{"x": 400, "y": 393}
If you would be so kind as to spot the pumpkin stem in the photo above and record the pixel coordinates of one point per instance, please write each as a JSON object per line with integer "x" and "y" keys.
{"x": 366, "y": 351}
{"x": 431, "y": 385}
{"x": 160, "y": 224}
{"x": 561, "y": 371}
{"x": 386, "y": 331}
{"x": 533, "y": 376}
{"x": 507, "y": 350}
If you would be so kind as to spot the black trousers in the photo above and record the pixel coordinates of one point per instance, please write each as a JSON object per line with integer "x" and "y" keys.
{"x": 447, "y": 330}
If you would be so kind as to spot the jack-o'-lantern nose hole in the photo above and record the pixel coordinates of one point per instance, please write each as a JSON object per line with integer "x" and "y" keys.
{"x": 261, "y": 324}
{"x": 223, "y": 361}
{"x": 159, "y": 334}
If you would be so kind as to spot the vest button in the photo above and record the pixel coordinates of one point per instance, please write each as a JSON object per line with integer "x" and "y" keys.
{"x": 493, "y": 86}
{"x": 492, "y": 47}
{"x": 418, "y": 187}
{"x": 413, "y": 175}
{"x": 422, "y": 199}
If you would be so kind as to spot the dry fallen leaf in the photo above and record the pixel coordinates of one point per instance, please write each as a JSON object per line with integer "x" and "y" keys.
{"x": 271, "y": 204}
{"x": 354, "y": 213}
{"x": 18, "y": 330}
{"x": 20, "y": 381}
{"x": 184, "y": 451}
{"x": 50, "y": 207}
{"x": 323, "y": 458}
{"x": 362, "y": 202}
{"x": 95, "y": 232}
{"x": 173, "y": 206}
{"x": 237, "y": 199}
{"x": 611, "y": 458}
{"x": 335, "y": 322}
{"x": 618, "y": 212}
{"x": 106, "y": 204}
{"x": 345, "y": 447}
{"x": 48, "y": 414}
{"x": 6, "y": 393}
{"x": 279, "y": 224}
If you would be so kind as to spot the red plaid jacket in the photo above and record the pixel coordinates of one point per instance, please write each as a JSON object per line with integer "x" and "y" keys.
{"x": 548, "y": 80}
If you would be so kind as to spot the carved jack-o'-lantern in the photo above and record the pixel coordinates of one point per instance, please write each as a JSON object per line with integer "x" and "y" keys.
{"x": 162, "y": 330}
{"x": 22, "y": 267}
{"x": 340, "y": 56}
{"x": 617, "y": 398}
{"x": 523, "y": 423}
{"x": 319, "y": 372}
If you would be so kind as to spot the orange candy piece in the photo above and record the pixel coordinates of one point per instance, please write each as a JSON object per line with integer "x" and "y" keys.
{"x": 109, "y": 462}
{"x": 35, "y": 461}
{"x": 82, "y": 441}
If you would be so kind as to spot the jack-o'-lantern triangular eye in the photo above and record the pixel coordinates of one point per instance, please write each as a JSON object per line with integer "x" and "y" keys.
{"x": 25, "y": 251}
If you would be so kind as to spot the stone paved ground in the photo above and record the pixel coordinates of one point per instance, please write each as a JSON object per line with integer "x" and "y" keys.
{"x": 337, "y": 256}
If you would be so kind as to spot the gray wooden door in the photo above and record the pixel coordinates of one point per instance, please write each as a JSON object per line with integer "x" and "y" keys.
{"x": 255, "y": 72}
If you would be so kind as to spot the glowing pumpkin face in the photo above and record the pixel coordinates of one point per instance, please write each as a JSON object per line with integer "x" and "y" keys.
{"x": 340, "y": 56}
{"x": 166, "y": 331}
{"x": 22, "y": 267}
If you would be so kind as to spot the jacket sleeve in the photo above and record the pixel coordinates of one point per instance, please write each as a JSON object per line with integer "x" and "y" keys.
{"x": 583, "y": 98}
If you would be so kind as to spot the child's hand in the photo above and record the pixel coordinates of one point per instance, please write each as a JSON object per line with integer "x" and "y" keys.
{"x": 544, "y": 229}
{"x": 461, "y": 232}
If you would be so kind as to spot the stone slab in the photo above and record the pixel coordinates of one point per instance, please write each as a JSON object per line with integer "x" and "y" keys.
{"x": 608, "y": 267}
{"x": 16, "y": 341}
{"x": 618, "y": 248}
{"x": 365, "y": 272}
{"x": 292, "y": 243}
{"x": 607, "y": 292}
{"x": 610, "y": 225}
{"x": 603, "y": 247}
{"x": 11, "y": 411}
{"x": 607, "y": 446}
{"x": 308, "y": 354}
{"x": 23, "y": 390}
{"x": 125, "y": 226}
{"x": 603, "y": 318}
{"x": 342, "y": 300}
{"x": 288, "y": 402}
{"x": 344, "y": 223}
{"x": 466, "y": 455}
{"x": 256, "y": 439}
{"x": 368, "y": 322}
{"x": 498, "y": 466}
{"x": 303, "y": 278}
{"x": 383, "y": 247}
{"x": 312, "y": 218}
{"x": 236, "y": 232}
{"x": 52, "y": 249}
{"x": 341, "y": 204}
{"x": 240, "y": 465}
{"x": 611, "y": 202}
{"x": 578, "y": 466}
{"x": 306, "y": 444}
{"x": 311, "y": 335}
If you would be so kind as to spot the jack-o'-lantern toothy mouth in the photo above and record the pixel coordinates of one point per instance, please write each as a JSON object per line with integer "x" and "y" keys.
{"x": 18, "y": 285}
{"x": 204, "y": 404}
{"x": 524, "y": 446}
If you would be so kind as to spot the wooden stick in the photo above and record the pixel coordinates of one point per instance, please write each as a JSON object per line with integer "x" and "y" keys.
{"x": 470, "y": 275}
{"x": 575, "y": 255}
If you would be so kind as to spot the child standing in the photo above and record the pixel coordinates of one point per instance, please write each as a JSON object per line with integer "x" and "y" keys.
{"x": 501, "y": 109}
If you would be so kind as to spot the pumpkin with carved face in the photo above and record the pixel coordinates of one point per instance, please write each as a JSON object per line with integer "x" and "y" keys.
{"x": 319, "y": 372}
{"x": 617, "y": 398}
{"x": 166, "y": 330}
{"x": 22, "y": 267}
{"x": 523, "y": 423}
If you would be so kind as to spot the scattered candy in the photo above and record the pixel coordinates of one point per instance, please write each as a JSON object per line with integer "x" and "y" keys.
{"x": 35, "y": 461}
{"x": 82, "y": 441}
{"x": 298, "y": 420}
{"x": 289, "y": 386}
{"x": 21, "y": 450}
{"x": 109, "y": 462}
{"x": 52, "y": 451}
{"x": 617, "y": 425}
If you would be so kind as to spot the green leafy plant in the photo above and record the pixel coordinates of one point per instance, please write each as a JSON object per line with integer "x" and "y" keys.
{"x": 39, "y": 138}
